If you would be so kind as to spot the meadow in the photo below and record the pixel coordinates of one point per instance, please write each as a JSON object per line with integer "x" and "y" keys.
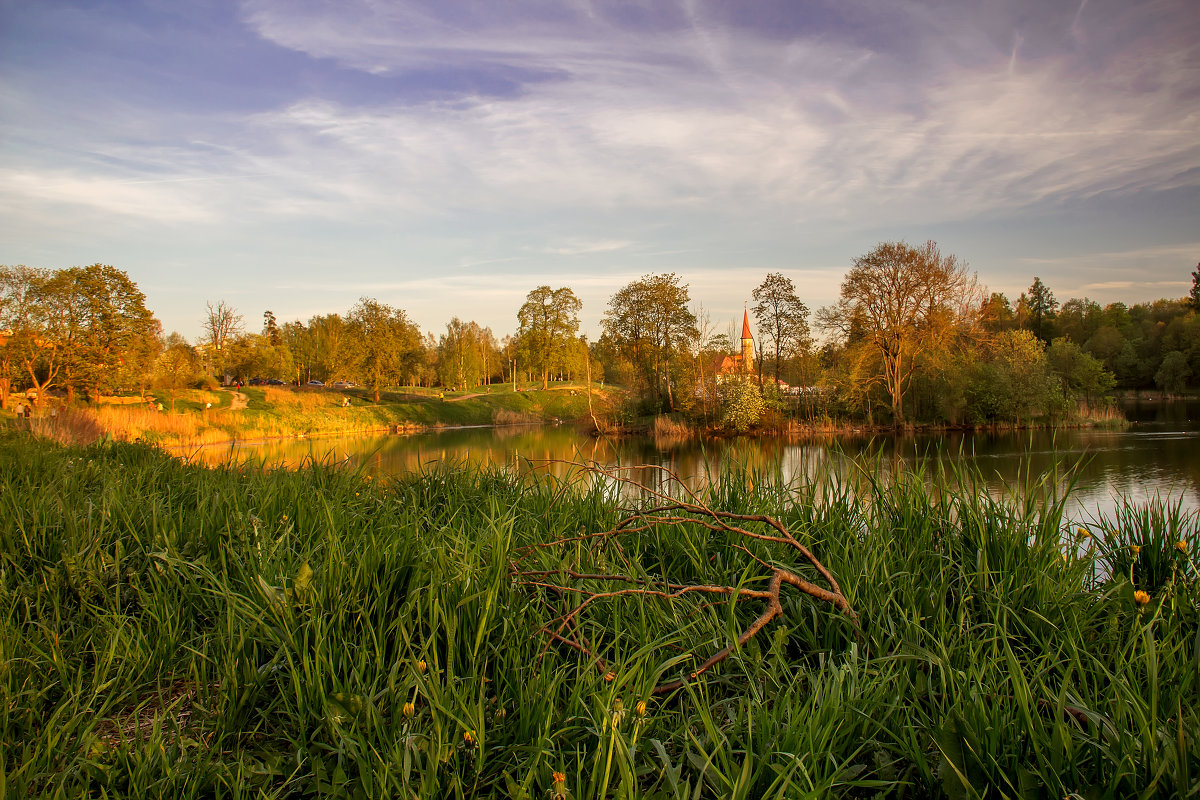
{"x": 171, "y": 630}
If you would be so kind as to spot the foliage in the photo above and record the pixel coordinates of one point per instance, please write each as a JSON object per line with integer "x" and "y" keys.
{"x": 742, "y": 404}
{"x": 466, "y": 354}
{"x": 1037, "y": 310}
{"x": 1173, "y": 373}
{"x": 383, "y": 344}
{"x": 549, "y": 322}
{"x": 649, "y": 325}
{"x": 898, "y": 302}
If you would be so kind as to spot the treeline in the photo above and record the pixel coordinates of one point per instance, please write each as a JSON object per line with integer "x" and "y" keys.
{"x": 913, "y": 338}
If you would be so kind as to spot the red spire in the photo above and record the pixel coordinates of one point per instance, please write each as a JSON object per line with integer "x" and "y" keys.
{"x": 746, "y": 325}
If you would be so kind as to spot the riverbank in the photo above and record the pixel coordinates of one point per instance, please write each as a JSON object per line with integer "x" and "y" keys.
{"x": 192, "y": 632}
{"x": 266, "y": 412}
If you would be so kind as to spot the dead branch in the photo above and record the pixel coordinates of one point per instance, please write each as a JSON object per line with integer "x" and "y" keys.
{"x": 671, "y": 511}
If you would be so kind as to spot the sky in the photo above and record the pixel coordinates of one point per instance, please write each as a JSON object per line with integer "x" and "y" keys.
{"x": 447, "y": 157}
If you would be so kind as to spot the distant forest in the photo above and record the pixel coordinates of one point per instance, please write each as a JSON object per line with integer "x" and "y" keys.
{"x": 913, "y": 338}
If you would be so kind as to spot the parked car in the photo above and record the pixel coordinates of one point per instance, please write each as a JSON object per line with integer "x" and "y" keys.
{"x": 273, "y": 382}
{"x": 315, "y": 383}
{"x": 342, "y": 385}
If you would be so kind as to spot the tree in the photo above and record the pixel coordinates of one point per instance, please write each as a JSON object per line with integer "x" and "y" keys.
{"x": 270, "y": 327}
{"x": 464, "y": 353}
{"x": 896, "y": 301}
{"x": 1040, "y": 309}
{"x": 115, "y": 337}
{"x": 1173, "y": 374}
{"x": 649, "y": 323}
{"x": 176, "y": 366}
{"x": 17, "y": 288}
{"x": 384, "y": 344}
{"x": 1014, "y": 383}
{"x": 1194, "y": 295}
{"x": 1082, "y": 376}
{"x": 782, "y": 319}
{"x": 996, "y": 314}
{"x": 221, "y": 324}
{"x": 549, "y": 319}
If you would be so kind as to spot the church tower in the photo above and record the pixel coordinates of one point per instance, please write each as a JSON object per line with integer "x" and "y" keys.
{"x": 747, "y": 343}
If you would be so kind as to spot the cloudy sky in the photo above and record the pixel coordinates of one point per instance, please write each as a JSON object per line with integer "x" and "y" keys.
{"x": 448, "y": 156}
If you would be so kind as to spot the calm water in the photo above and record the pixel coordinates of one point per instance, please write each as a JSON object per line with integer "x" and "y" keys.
{"x": 1159, "y": 454}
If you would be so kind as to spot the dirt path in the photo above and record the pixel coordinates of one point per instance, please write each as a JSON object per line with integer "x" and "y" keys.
{"x": 464, "y": 397}
{"x": 238, "y": 401}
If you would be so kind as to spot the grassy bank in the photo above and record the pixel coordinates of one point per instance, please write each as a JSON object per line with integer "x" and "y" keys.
{"x": 208, "y": 417}
{"x": 171, "y": 630}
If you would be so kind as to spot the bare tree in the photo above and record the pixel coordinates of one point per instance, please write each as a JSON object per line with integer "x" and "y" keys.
{"x": 782, "y": 319}
{"x": 221, "y": 324}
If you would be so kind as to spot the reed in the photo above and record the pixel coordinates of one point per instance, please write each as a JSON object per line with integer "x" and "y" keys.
{"x": 173, "y": 630}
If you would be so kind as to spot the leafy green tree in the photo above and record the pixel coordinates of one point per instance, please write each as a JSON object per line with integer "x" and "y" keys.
{"x": 1039, "y": 310}
{"x": 465, "y": 354}
{"x": 1081, "y": 375}
{"x": 176, "y": 366}
{"x": 384, "y": 344}
{"x": 119, "y": 337}
{"x": 300, "y": 341}
{"x": 1079, "y": 319}
{"x": 782, "y": 320}
{"x": 18, "y": 287}
{"x": 898, "y": 301}
{"x": 1194, "y": 295}
{"x": 270, "y": 328}
{"x": 1014, "y": 384}
{"x": 41, "y": 329}
{"x": 649, "y": 324}
{"x": 549, "y": 320}
{"x": 1172, "y": 376}
{"x": 996, "y": 314}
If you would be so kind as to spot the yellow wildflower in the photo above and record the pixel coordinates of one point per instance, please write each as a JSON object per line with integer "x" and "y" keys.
{"x": 640, "y": 709}
{"x": 408, "y": 710}
{"x": 618, "y": 710}
{"x": 1181, "y": 547}
{"x": 422, "y": 666}
{"x": 1141, "y": 598}
{"x": 1083, "y": 533}
{"x": 469, "y": 738}
{"x": 1136, "y": 550}
{"x": 559, "y": 792}
{"x": 501, "y": 713}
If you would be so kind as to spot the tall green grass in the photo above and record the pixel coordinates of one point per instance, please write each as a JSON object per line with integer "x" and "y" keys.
{"x": 173, "y": 630}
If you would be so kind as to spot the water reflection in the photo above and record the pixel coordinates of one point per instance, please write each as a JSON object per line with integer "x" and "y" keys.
{"x": 1155, "y": 456}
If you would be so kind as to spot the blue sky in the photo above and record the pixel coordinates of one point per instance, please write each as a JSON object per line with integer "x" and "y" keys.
{"x": 447, "y": 157}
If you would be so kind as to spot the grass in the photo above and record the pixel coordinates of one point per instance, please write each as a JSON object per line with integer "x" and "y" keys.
{"x": 173, "y": 630}
{"x": 206, "y": 417}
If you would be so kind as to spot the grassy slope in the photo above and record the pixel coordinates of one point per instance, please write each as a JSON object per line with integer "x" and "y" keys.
{"x": 281, "y": 412}
{"x": 170, "y": 630}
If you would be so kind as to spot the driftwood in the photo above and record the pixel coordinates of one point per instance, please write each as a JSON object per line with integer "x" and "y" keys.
{"x": 668, "y": 509}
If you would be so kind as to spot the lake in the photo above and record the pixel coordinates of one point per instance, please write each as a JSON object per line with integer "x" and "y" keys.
{"x": 1158, "y": 454}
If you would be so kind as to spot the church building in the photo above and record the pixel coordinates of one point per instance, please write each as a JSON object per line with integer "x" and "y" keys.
{"x": 743, "y": 363}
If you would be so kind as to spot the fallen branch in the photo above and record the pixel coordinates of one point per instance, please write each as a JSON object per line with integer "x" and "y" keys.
{"x": 671, "y": 510}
